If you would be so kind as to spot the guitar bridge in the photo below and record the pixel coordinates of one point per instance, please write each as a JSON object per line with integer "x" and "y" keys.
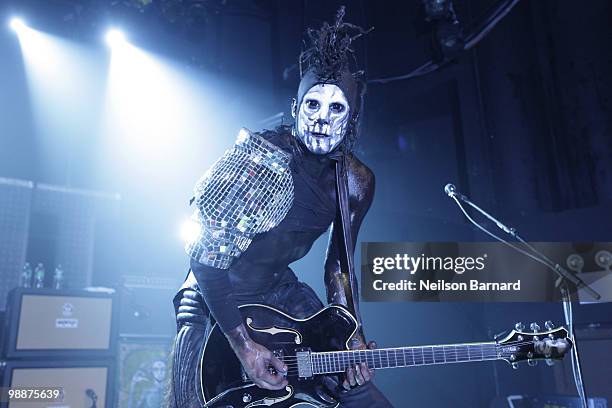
{"x": 278, "y": 354}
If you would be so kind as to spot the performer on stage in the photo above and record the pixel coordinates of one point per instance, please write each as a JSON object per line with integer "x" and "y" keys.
{"x": 252, "y": 228}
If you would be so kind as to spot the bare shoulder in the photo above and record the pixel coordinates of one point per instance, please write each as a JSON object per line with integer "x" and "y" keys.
{"x": 361, "y": 180}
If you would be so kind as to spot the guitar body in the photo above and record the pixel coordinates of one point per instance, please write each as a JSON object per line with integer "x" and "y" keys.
{"x": 318, "y": 345}
{"x": 223, "y": 382}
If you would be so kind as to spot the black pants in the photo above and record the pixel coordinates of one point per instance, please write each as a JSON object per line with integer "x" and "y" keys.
{"x": 296, "y": 299}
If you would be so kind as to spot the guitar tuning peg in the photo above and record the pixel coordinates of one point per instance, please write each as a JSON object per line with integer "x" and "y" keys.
{"x": 519, "y": 326}
{"x": 515, "y": 366}
{"x": 534, "y": 327}
{"x": 532, "y": 363}
{"x": 550, "y": 362}
{"x": 549, "y": 325}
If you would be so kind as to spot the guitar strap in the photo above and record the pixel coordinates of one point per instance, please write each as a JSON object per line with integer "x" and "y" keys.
{"x": 346, "y": 250}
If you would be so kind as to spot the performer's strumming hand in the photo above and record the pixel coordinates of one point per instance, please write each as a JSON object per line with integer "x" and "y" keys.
{"x": 256, "y": 360}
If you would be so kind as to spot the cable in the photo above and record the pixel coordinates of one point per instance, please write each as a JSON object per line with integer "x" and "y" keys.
{"x": 496, "y": 16}
{"x": 470, "y": 41}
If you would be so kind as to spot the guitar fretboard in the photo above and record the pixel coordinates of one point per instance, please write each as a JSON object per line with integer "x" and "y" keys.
{"x": 339, "y": 361}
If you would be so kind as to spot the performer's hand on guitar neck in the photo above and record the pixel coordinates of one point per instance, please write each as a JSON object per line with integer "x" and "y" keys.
{"x": 256, "y": 360}
{"x": 360, "y": 374}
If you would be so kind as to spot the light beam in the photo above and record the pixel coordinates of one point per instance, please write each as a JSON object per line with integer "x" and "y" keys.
{"x": 190, "y": 231}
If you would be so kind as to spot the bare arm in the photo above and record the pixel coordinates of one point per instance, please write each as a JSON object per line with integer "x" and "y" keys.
{"x": 361, "y": 193}
{"x": 256, "y": 359}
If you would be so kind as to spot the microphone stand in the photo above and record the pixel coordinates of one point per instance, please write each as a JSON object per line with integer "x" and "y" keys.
{"x": 562, "y": 282}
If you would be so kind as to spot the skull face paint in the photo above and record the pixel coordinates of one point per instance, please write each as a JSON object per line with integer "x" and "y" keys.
{"x": 322, "y": 118}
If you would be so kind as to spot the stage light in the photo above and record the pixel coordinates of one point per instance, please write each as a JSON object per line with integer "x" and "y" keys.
{"x": 115, "y": 38}
{"x": 17, "y": 24}
{"x": 190, "y": 231}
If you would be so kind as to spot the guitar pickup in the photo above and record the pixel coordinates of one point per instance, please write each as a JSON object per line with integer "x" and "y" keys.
{"x": 304, "y": 364}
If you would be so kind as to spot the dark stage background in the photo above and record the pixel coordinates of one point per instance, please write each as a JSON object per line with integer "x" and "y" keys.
{"x": 521, "y": 123}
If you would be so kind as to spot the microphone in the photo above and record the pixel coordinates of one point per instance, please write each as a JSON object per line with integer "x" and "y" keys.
{"x": 450, "y": 189}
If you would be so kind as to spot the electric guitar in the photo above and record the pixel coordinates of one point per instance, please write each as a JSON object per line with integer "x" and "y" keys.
{"x": 317, "y": 345}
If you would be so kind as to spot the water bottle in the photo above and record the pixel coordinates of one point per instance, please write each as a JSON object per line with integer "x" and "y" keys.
{"x": 26, "y": 276}
{"x": 39, "y": 276}
{"x": 58, "y": 277}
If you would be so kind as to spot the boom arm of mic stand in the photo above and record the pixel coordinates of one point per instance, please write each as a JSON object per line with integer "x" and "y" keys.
{"x": 501, "y": 226}
{"x": 555, "y": 267}
{"x": 500, "y": 239}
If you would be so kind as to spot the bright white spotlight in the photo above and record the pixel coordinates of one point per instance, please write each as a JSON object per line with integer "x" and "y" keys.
{"x": 190, "y": 231}
{"x": 17, "y": 24}
{"x": 115, "y": 38}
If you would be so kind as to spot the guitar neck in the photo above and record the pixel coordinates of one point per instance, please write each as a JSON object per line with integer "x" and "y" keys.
{"x": 339, "y": 361}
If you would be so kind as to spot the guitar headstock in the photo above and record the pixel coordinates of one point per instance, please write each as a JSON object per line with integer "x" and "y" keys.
{"x": 522, "y": 345}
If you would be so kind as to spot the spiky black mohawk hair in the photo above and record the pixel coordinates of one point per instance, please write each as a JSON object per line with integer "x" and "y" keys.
{"x": 330, "y": 51}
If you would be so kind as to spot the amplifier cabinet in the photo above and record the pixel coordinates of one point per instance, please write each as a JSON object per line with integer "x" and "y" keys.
{"x": 47, "y": 323}
{"x": 83, "y": 384}
{"x": 146, "y": 306}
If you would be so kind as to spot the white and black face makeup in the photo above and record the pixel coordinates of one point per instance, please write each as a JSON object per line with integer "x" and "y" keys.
{"x": 322, "y": 118}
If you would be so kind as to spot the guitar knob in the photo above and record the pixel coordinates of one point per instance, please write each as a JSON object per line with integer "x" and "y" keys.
{"x": 246, "y": 397}
{"x": 519, "y": 326}
{"x": 534, "y": 327}
{"x": 532, "y": 363}
{"x": 550, "y": 362}
{"x": 549, "y": 325}
{"x": 515, "y": 366}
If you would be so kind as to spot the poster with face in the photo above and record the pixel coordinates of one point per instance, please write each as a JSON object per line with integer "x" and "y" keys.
{"x": 143, "y": 371}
